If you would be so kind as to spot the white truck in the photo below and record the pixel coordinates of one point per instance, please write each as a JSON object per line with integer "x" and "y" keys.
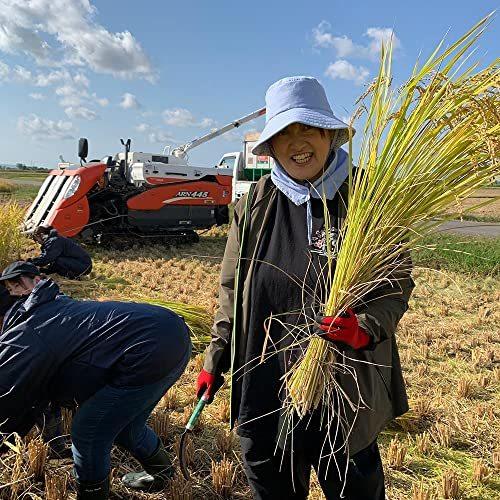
{"x": 247, "y": 168}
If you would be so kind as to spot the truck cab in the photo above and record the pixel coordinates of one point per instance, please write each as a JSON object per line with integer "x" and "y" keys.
{"x": 247, "y": 168}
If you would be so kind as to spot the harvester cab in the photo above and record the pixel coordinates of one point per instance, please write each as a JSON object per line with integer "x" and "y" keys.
{"x": 142, "y": 194}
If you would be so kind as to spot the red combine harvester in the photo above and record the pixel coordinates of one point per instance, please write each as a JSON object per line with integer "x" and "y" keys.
{"x": 141, "y": 194}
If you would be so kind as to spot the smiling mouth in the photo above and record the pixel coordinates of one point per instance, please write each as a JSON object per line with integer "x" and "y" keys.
{"x": 302, "y": 158}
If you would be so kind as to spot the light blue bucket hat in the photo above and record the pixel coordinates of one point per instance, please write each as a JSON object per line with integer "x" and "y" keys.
{"x": 298, "y": 99}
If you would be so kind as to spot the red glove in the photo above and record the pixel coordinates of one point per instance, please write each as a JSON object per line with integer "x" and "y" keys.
{"x": 344, "y": 328}
{"x": 208, "y": 382}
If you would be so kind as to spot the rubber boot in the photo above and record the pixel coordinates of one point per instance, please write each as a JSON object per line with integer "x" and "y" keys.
{"x": 92, "y": 491}
{"x": 157, "y": 471}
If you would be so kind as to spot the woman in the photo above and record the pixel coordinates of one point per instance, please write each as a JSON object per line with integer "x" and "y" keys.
{"x": 115, "y": 360}
{"x": 273, "y": 265}
{"x": 60, "y": 255}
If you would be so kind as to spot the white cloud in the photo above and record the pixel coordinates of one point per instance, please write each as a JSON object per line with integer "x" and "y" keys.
{"x": 180, "y": 117}
{"x": 15, "y": 38}
{"x": 129, "y": 101}
{"x": 25, "y": 28}
{"x": 53, "y": 77}
{"x": 207, "y": 122}
{"x": 37, "y": 96}
{"x": 81, "y": 79}
{"x": 4, "y": 72}
{"x": 71, "y": 96}
{"x": 81, "y": 112}
{"x": 344, "y": 70}
{"x": 66, "y": 90}
{"x": 155, "y": 134}
{"x": 159, "y": 136}
{"x": 21, "y": 74}
{"x": 233, "y": 136}
{"x": 41, "y": 128}
{"x": 142, "y": 127}
{"x": 345, "y": 47}
{"x": 379, "y": 36}
{"x": 102, "y": 101}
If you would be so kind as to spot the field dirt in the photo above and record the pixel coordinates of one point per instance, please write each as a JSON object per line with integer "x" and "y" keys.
{"x": 450, "y": 350}
{"x": 489, "y": 211}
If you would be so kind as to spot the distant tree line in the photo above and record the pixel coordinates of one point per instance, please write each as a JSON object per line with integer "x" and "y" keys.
{"x": 22, "y": 166}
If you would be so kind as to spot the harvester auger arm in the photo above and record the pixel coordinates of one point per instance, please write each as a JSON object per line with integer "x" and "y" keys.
{"x": 181, "y": 151}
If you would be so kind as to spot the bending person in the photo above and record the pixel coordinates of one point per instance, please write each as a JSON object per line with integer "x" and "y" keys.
{"x": 60, "y": 255}
{"x": 115, "y": 360}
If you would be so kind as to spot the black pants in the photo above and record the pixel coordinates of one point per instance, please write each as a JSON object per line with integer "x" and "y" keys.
{"x": 66, "y": 268}
{"x": 281, "y": 476}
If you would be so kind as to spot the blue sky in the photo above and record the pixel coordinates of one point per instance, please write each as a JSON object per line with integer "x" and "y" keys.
{"x": 164, "y": 72}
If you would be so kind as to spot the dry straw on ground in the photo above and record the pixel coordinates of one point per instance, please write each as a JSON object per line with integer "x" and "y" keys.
{"x": 56, "y": 486}
{"x": 450, "y": 485}
{"x": 433, "y": 399}
{"x": 37, "y": 457}
{"x": 396, "y": 453}
{"x": 421, "y": 492}
{"x": 223, "y": 473}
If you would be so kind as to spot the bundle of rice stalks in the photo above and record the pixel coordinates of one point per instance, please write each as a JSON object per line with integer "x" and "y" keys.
{"x": 425, "y": 145}
{"x": 11, "y": 239}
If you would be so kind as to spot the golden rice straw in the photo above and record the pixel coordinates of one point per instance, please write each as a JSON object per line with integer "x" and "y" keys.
{"x": 429, "y": 144}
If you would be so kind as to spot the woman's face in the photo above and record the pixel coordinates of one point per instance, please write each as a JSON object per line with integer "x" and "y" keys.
{"x": 302, "y": 150}
{"x": 21, "y": 287}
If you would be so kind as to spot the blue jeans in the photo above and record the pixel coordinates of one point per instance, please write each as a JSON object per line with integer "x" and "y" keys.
{"x": 117, "y": 415}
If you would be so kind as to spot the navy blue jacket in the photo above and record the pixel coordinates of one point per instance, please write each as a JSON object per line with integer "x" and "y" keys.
{"x": 54, "y": 348}
{"x": 63, "y": 256}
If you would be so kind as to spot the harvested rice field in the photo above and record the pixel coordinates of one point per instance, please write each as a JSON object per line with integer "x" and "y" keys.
{"x": 446, "y": 446}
